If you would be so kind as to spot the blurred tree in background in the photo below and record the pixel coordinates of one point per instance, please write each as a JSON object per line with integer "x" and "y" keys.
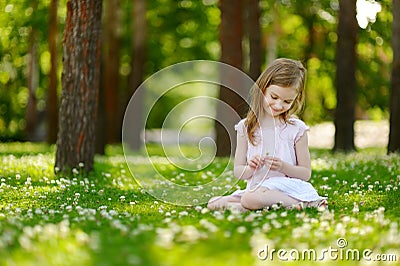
{"x": 345, "y": 80}
{"x": 394, "y": 135}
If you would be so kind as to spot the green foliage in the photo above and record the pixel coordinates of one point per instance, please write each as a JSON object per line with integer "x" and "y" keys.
{"x": 181, "y": 31}
{"x": 162, "y": 108}
{"x": 106, "y": 218}
{"x": 375, "y": 58}
{"x": 17, "y": 21}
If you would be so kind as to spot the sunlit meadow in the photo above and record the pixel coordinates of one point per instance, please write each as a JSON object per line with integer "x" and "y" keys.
{"x": 106, "y": 218}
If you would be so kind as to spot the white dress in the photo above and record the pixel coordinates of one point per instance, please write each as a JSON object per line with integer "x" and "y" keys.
{"x": 280, "y": 142}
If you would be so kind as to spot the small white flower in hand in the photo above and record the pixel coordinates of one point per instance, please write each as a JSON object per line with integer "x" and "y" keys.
{"x": 275, "y": 163}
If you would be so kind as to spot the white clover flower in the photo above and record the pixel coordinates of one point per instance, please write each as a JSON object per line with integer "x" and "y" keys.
{"x": 266, "y": 227}
{"x": 205, "y": 210}
{"x": 165, "y": 237}
{"x": 190, "y": 234}
{"x": 355, "y": 208}
{"x": 208, "y": 225}
{"x": 82, "y": 237}
{"x": 183, "y": 213}
{"x": 113, "y": 212}
{"x": 272, "y": 216}
{"x": 241, "y": 229}
{"x": 25, "y": 242}
{"x": 218, "y": 215}
{"x": 276, "y": 224}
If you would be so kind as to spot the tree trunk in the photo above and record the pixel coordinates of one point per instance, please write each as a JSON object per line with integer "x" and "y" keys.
{"x": 52, "y": 106}
{"x": 111, "y": 64}
{"x": 31, "y": 116}
{"x": 80, "y": 85}
{"x": 139, "y": 54}
{"x": 101, "y": 120}
{"x": 394, "y": 135}
{"x": 345, "y": 76}
{"x": 231, "y": 33}
{"x": 273, "y": 35}
{"x": 255, "y": 42}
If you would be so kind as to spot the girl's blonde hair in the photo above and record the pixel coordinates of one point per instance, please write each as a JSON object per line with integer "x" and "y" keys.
{"x": 283, "y": 72}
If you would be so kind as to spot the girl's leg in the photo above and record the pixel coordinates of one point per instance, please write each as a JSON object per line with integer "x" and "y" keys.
{"x": 225, "y": 202}
{"x": 263, "y": 197}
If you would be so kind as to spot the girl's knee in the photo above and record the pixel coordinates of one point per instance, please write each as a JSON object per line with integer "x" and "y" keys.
{"x": 251, "y": 200}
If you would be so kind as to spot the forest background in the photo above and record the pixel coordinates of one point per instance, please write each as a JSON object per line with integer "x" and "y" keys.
{"x": 147, "y": 36}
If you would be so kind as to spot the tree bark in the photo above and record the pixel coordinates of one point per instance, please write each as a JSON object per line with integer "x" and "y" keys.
{"x": 345, "y": 76}
{"x": 52, "y": 100}
{"x": 111, "y": 64}
{"x": 255, "y": 41}
{"x": 139, "y": 54}
{"x": 231, "y": 34}
{"x": 80, "y": 85}
{"x": 394, "y": 135}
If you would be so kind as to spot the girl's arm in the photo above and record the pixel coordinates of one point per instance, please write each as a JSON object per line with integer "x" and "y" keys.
{"x": 241, "y": 169}
{"x": 303, "y": 168}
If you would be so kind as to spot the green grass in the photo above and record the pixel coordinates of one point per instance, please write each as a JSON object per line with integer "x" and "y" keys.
{"x": 106, "y": 218}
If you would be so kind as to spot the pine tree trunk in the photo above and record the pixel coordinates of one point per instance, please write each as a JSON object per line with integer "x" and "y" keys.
{"x": 139, "y": 54}
{"x": 394, "y": 135}
{"x": 345, "y": 76}
{"x": 52, "y": 105}
{"x": 231, "y": 34}
{"x": 80, "y": 84}
{"x": 111, "y": 64}
{"x": 255, "y": 42}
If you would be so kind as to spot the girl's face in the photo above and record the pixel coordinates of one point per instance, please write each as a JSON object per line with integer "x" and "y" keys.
{"x": 278, "y": 99}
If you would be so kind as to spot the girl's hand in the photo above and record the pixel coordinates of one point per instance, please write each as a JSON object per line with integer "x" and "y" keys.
{"x": 256, "y": 162}
{"x": 275, "y": 163}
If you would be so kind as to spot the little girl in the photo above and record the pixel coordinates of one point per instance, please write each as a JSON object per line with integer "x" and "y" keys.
{"x": 272, "y": 145}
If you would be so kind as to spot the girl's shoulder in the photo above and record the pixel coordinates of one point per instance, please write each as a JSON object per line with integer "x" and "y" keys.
{"x": 297, "y": 128}
{"x": 297, "y": 122}
{"x": 240, "y": 127}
